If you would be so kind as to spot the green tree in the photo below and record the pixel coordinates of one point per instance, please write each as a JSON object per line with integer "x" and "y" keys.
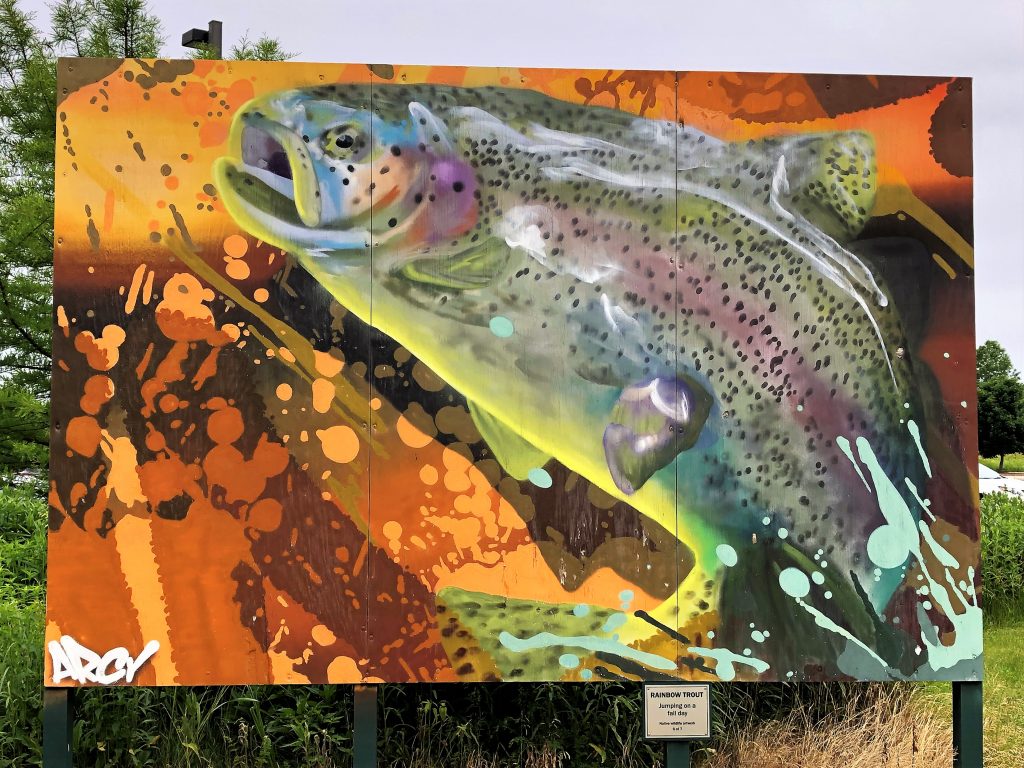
{"x": 28, "y": 84}
{"x": 1000, "y": 417}
{"x": 263, "y": 48}
{"x": 993, "y": 361}
{"x": 115, "y": 29}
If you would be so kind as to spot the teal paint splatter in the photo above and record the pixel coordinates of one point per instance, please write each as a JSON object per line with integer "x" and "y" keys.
{"x": 613, "y": 622}
{"x": 539, "y": 477}
{"x": 783, "y": 533}
{"x": 586, "y": 642}
{"x": 501, "y": 327}
{"x": 818, "y": 578}
{"x": 586, "y": 674}
{"x": 581, "y": 610}
{"x": 727, "y": 555}
{"x": 923, "y": 503}
{"x": 891, "y": 544}
{"x": 844, "y": 446}
{"x": 569, "y": 660}
{"x": 727, "y": 660}
{"x": 916, "y": 433}
{"x": 794, "y": 583}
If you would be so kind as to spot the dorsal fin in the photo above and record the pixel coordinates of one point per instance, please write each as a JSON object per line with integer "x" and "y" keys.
{"x": 832, "y": 180}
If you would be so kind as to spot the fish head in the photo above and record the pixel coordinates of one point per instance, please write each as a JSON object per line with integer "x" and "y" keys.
{"x": 322, "y": 172}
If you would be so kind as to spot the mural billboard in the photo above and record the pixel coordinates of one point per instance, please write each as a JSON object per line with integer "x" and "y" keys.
{"x": 381, "y": 373}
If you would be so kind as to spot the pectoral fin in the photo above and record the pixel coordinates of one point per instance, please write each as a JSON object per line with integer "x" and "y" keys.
{"x": 474, "y": 267}
{"x": 651, "y": 424}
{"x": 515, "y": 454}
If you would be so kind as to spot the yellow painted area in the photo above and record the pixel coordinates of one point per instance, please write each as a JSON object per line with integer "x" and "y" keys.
{"x": 944, "y": 265}
{"x": 896, "y": 199}
{"x": 282, "y": 666}
{"x": 122, "y": 477}
{"x": 133, "y": 537}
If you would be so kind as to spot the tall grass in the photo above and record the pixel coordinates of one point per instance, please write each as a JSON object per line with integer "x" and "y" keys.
{"x": 483, "y": 726}
{"x": 1002, "y": 539}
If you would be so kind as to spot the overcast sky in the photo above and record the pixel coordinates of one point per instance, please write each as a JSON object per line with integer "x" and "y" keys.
{"x": 983, "y": 39}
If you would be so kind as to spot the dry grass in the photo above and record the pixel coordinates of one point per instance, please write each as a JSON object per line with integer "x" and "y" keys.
{"x": 534, "y": 757}
{"x": 896, "y": 730}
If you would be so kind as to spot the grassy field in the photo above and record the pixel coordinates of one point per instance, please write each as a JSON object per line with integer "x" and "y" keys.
{"x": 1004, "y": 695}
{"x": 1013, "y": 462}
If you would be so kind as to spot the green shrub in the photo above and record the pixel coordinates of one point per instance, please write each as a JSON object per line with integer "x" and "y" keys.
{"x": 22, "y": 570}
{"x": 1002, "y": 540}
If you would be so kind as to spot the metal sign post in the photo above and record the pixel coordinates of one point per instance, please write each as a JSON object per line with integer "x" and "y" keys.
{"x": 364, "y": 727}
{"x": 968, "y": 725}
{"x": 58, "y": 721}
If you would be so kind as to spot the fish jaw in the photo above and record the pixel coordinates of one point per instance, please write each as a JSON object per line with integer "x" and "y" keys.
{"x": 270, "y": 184}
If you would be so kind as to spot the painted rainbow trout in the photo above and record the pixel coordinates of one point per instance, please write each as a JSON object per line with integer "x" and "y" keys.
{"x": 678, "y": 319}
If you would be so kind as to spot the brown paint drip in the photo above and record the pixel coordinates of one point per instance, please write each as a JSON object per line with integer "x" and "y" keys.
{"x": 951, "y": 130}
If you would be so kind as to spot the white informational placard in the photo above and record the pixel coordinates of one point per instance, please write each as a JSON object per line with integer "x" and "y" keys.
{"x": 680, "y": 711}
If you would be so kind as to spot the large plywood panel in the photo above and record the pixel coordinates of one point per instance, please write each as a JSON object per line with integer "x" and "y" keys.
{"x": 415, "y": 373}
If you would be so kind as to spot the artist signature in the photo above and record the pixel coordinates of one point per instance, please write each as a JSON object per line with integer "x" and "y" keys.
{"x": 73, "y": 660}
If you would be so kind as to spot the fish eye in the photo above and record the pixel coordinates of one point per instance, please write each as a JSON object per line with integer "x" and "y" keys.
{"x": 343, "y": 142}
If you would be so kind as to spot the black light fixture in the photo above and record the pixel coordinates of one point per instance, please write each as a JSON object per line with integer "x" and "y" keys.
{"x": 212, "y": 38}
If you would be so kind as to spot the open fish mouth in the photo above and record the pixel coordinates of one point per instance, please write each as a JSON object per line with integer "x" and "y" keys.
{"x": 260, "y": 150}
{"x": 269, "y": 185}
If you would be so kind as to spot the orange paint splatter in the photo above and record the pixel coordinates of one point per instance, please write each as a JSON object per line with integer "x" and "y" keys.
{"x": 235, "y": 246}
{"x": 265, "y": 515}
{"x": 323, "y": 395}
{"x": 98, "y": 391}
{"x": 237, "y": 269}
{"x": 182, "y": 315}
{"x": 122, "y": 476}
{"x": 225, "y": 425}
{"x": 323, "y": 636}
{"x": 326, "y": 364}
{"x": 101, "y": 353}
{"x": 83, "y": 435}
{"x": 410, "y": 435}
{"x": 340, "y": 443}
{"x": 213, "y": 133}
